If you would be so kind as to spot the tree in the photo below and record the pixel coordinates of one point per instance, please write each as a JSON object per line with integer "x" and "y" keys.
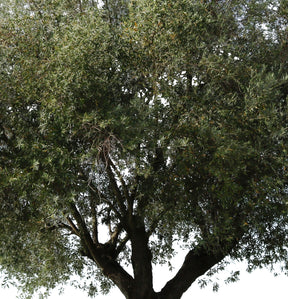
{"x": 152, "y": 121}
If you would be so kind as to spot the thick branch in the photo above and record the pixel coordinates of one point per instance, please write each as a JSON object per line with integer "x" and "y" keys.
{"x": 197, "y": 262}
{"x": 109, "y": 267}
{"x": 83, "y": 231}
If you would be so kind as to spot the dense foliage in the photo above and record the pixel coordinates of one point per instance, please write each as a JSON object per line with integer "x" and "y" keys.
{"x": 149, "y": 122}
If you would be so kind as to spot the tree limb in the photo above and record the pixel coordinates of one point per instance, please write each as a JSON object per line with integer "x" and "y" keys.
{"x": 72, "y": 226}
{"x": 109, "y": 267}
{"x": 121, "y": 245}
{"x": 130, "y": 199}
{"x": 196, "y": 263}
{"x": 116, "y": 189}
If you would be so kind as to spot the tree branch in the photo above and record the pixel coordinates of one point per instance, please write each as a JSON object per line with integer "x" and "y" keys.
{"x": 120, "y": 178}
{"x": 196, "y": 263}
{"x": 72, "y": 226}
{"x": 124, "y": 186}
{"x": 121, "y": 245}
{"x": 116, "y": 189}
{"x": 100, "y": 195}
{"x": 94, "y": 219}
{"x": 109, "y": 267}
{"x": 83, "y": 231}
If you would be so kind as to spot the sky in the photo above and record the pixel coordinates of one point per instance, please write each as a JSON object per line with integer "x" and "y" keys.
{"x": 258, "y": 284}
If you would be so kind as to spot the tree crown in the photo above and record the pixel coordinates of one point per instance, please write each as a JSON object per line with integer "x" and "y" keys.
{"x": 159, "y": 120}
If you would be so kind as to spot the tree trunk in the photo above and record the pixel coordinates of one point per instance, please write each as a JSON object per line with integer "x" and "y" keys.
{"x": 141, "y": 261}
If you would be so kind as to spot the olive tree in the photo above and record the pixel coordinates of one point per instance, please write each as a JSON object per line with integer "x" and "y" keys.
{"x": 129, "y": 126}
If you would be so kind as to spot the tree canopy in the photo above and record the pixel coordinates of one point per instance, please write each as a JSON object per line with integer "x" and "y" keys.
{"x": 129, "y": 126}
